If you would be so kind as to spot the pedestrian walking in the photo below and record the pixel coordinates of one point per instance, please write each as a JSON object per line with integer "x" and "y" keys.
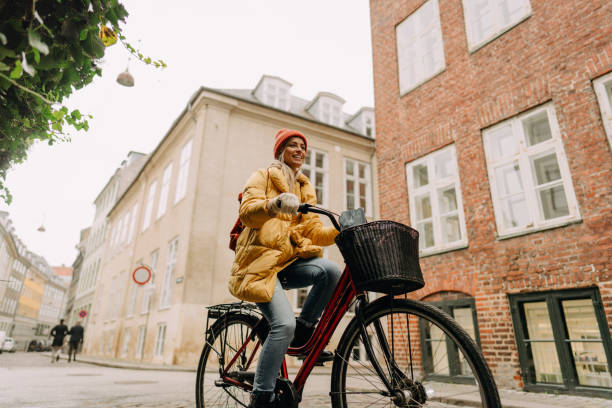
{"x": 281, "y": 249}
{"x": 76, "y": 338}
{"x": 58, "y": 332}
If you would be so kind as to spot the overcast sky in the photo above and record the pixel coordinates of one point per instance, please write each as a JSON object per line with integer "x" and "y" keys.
{"x": 317, "y": 45}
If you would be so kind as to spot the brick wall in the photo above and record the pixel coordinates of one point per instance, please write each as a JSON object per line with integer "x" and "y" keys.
{"x": 552, "y": 56}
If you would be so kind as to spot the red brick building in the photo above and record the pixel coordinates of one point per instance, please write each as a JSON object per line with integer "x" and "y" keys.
{"x": 494, "y": 132}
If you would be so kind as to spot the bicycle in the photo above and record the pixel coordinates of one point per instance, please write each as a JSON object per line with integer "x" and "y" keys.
{"x": 379, "y": 358}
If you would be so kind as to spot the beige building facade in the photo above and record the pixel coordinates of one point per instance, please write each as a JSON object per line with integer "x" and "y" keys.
{"x": 176, "y": 215}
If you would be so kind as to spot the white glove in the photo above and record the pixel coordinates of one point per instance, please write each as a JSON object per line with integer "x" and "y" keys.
{"x": 286, "y": 203}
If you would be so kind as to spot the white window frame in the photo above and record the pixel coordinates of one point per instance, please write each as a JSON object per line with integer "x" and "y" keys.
{"x": 164, "y": 191}
{"x": 412, "y": 47}
{"x": 165, "y": 299}
{"x": 149, "y": 288}
{"x": 127, "y": 334}
{"x": 433, "y": 188}
{"x": 160, "y": 339}
{"x": 183, "y": 174}
{"x": 124, "y": 228}
{"x": 149, "y": 208}
{"x": 604, "y": 97}
{"x": 522, "y": 157}
{"x": 356, "y": 181}
{"x": 133, "y": 223}
{"x": 142, "y": 332}
{"x": 311, "y": 167}
{"x": 133, "y": 297}
{"x": 495, "y": 16}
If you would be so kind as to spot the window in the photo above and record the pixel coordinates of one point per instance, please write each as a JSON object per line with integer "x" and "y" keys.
{"x": 487, "y": 19}
{"x": 149, "y": 288}
{"x": 440, "y": 357}
{"x": 165, "y": 189}
{"x": 603, "y": 90}
{"x": 181, "y": 186}
{"x": 420, "y": 51}
{"x": 124, "y": 228}
{"x": 530, "y": 181}
{"x": 358, "y": 186}
{"x": 133, "y": 224}
{"x": 166, "y": 294}
{"x": 109, "y": 345}
{"x": 315, "y": 168}
{"x": 161, "y": 337}
{"x": 133, "y": 298}
{"x": 436, "y": 205}
{"x": 563, "y": 339}
{"x": 330, "y": 112}
{"x": 141, "y": 340}
{"x": 277, "y": 95}
{"x": 149, "y": 208}
{"x": 126, "y": 341}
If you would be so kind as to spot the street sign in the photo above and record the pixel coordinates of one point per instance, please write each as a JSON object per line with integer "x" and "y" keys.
{"x": 142, "y": 275}
{"x": 82, "y": 313}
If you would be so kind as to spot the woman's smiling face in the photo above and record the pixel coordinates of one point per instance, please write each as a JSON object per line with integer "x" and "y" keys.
{"x": 295, "y": 152}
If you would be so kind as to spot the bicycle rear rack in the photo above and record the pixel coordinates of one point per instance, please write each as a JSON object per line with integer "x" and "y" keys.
{"x": 224, "y": 309}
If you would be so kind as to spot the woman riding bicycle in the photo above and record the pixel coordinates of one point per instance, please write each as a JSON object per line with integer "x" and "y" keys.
{"x": 280, "y": 249}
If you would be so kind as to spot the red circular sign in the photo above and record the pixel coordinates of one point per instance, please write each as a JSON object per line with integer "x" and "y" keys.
{"x": 83, "y": 313}
{"x": 142, "y": 275}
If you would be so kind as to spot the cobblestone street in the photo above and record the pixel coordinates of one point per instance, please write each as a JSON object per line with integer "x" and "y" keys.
{"x": 29, "y": 380}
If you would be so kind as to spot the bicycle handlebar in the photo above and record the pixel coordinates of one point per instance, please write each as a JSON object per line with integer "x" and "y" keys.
{"x": 306, "y": 208}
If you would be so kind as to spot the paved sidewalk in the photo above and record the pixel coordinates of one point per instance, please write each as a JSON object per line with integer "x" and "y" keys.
{"x": 316, "y": 394}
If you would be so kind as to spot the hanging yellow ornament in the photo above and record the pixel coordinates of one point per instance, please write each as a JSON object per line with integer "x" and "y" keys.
{"x": 108, "y": 36}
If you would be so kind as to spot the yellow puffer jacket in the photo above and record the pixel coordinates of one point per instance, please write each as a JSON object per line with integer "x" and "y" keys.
{"x": 267, "y": 245}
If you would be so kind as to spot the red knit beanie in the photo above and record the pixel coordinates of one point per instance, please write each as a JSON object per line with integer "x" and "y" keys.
{"x": 283, "y": 135}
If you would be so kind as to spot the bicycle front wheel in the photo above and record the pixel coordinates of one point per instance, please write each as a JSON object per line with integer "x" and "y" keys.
{"x": 219, "y": 384}
{"x": 424, "y": 360}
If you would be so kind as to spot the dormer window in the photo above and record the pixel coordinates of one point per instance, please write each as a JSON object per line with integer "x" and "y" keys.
{"x": 363, "y": 121}
{"x": 274, "y": 91}
{"x": 327, "y": 108}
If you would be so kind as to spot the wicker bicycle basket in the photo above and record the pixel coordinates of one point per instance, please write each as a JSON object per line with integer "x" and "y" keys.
{"x": 382, "y": 256}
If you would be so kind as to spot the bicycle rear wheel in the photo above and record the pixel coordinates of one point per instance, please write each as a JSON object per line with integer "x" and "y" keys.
{"x": 226, "y": 337}
{"x": 425, "y": 357}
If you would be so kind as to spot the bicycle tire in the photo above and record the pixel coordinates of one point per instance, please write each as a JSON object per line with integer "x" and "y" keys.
{"x": 234, "y": 328}
{"x": 354, "y": 381}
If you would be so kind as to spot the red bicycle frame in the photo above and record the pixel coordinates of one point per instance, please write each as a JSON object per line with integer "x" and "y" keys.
{"x": 336, "y": 308}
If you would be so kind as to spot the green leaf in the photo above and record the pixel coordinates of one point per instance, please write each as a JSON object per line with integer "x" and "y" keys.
{"x": 93, "y": 45}
{"x": 3, "y": 39}
{"x": 36, "y": 55}
{"x": 56, "y": 126}
{"x": 83, "y": 34}
{"x": 17, "y": 72}
{"x": 36, "y": 42}
{"x": 4, "y": 67}
{"x": 6, "y": 52}
{"x": 76, "y": 114}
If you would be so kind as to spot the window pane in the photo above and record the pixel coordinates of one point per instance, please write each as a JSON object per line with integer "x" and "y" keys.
{"x": 553, "y": 202}
{"x": 444, "y": 165}
{"x": 426, "y": 237}
{"x": 447, "y": 200}
{"x": 503, "y": 142}
{"x": 362, "y": 196}
{"x": 421, "y": 177}
{"x": 319, "y": 160}
{"x": 439, "y": 354}
{"x": 423, "y": 207}
{"x": 463, "y": 316}
{"x": 546, "y": 169}
{"x": 509, "y": 179}
{"x": 450, "y": 229}
{"x": 543, "y": 352}
{"x": 515, "y": 212}
{"x": 308, "y": 156}
{"x": 349, "y": 168}
{"x": 589, "y": 357}
{"x": 362, "y": 172}
{"x": 350, "y": 195}
{"x": 306, "y": 172}
{"x": 537, "y": 129}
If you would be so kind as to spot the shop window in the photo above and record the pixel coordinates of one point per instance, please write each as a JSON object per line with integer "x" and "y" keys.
{"x": 563, "y": 341}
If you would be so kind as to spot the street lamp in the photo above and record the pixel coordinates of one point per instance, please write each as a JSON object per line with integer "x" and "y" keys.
{"x": 125, "y": 78}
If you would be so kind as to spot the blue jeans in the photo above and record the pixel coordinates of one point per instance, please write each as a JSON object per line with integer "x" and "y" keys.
{"x": 323, "y": 275}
